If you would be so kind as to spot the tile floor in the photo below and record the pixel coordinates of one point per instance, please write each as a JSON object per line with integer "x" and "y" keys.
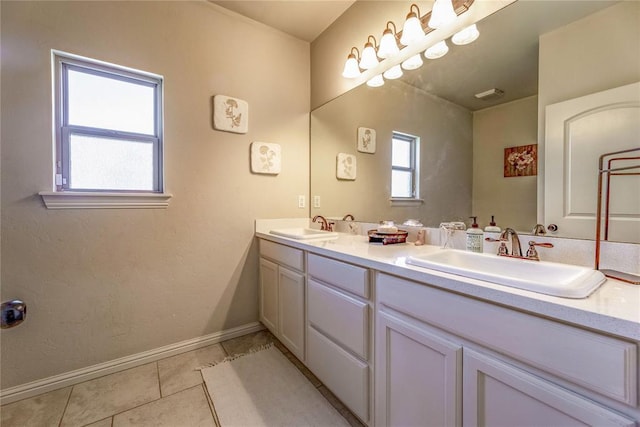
{"x": 169, "y": 392}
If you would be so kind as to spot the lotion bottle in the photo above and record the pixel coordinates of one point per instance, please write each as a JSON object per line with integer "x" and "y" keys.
{"x": 492, "y": 226}
{"x": 475, "y": 236}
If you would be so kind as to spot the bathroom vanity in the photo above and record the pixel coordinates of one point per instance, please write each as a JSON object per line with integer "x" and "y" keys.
{"x": 405, "y": 345}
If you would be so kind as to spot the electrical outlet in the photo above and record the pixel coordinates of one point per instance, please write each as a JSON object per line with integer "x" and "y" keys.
{"x": 316, "y": 201}
{"x": 301, "y": 201}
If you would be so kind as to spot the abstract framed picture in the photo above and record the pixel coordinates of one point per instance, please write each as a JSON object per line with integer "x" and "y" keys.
{"x": 366, "y": 140}
{"x": 521, "y": 161}
{"x": 346, "y": 166}
{"x": 265, "y": 158}
{"x": 230, "y": 114}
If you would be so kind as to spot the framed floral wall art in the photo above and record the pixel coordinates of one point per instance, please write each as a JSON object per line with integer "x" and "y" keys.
{"x": 230, "y": 114}
{"x": 346, "y": 166}
{"x": 265, "y": 158}
{"x": 521, "y": 161}
{"x": 366, "y": 140}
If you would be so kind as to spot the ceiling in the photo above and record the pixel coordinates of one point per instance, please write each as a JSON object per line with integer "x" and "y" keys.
{"x": 304, "y": 19}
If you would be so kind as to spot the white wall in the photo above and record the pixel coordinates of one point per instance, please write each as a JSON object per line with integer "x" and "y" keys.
{"x": 103, "y": 284}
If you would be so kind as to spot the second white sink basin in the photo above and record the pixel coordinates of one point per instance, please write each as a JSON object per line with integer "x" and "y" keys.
{"x": 304, "y": 233}
{"x": 561, "y": 280}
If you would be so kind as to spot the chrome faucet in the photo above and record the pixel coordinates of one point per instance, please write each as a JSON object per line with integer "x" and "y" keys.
{"x": 516, "y": 250}
{"x": 325, "y": 225}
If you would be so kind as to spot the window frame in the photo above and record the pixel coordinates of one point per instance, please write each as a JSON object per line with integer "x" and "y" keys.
{"x": 63, "y": 63}
{"x": 414, "y": 167}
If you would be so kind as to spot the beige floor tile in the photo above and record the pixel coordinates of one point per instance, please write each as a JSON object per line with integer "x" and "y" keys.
{"x": 247, "y": 342}
{"x": 179, "y": 372}
{"x": 186, "y": 408}
{"x": 100, "y": 398}
{"x": 343, "y": 410}
{"x": 43, "y": 410}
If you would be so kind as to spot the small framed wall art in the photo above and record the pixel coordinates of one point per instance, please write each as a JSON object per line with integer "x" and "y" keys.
{"x": 346, "y": 166}
{"x": 521, "y": 161}
{"x": 265, "y": 158}
{"x": 230, "y": 114}
{"x": 366, "y": 140}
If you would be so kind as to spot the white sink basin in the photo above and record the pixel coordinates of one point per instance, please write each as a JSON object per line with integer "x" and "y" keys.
{"x": 561, "y": 280}
{"x": 304, "y": 233}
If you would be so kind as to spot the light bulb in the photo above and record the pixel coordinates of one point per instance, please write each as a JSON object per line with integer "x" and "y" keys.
{"x": 376, "y": 81}
{"x": 412, "y": 63}
{"x": 412, "y": 30}
{"x": 394, "y": 72}
{"x": 388, "y": 45}
{"x": 442, "y": 14}
{"x": 466, "y": 36}
{"x": 436, "y": 51}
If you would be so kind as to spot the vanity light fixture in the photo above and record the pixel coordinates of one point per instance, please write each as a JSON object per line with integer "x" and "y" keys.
{"x": 412, "y": 30}
{"x": 466, "y": 36}
{"x": 388, "y": 43}
{"x": 442, "y": 14}
{"x": 413, "y": 63}
{"x": 376, "y": 81}
{"x": 413, "y": 33}
{"x": 436, "y": 51}
{"x": 369, "y": 58}
{"x": 351, "y": 69}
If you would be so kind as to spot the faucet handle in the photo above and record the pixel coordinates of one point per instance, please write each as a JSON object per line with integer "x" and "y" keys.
{"x": 532, "y": 253}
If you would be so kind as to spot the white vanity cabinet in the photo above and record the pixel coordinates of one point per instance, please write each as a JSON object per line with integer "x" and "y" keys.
{"x": 339, "y": 329}
{"x": 282, "y": 289}
{"x": 443, "y": 359}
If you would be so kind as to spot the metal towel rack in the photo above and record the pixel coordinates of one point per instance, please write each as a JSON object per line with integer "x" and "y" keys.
{"x": 611, "y": 171}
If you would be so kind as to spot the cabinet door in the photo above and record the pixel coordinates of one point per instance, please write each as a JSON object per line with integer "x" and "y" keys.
{"x": 418, "y": 375}
{"x": 291, "y": 310}
{"x": 498, "y": 394}
{"x": 269, "y": 295}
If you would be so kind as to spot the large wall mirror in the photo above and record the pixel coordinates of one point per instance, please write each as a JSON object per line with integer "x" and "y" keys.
{"x": 538, "y": 53}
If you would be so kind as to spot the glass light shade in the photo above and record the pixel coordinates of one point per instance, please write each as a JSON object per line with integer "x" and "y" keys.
{"x": 369, "y": 58}
{"x": 394, "y": 72}
{"x": 351, "y": 69}
{"x": 436, "y": 51}
{"x": 412, "y": 63}
{"x": 388, "y": 46}
{"x": 376, "y": 81}
{"x": 412, "y": 30}
{"x": 442, "y": 14}
{"x": 466, "y": 36}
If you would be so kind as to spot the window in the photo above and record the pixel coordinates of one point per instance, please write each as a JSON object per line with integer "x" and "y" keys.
{"x": 108, "y": 127}
{"x": 404, "y": 166}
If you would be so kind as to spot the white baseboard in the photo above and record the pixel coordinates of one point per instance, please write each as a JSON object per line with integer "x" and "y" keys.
{"x": 77, "y": 376}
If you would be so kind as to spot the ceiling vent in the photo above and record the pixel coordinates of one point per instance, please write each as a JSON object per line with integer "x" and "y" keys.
{"x": 489, "y": 95}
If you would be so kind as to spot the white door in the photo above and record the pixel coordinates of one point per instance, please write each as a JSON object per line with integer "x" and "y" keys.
{"x": 578, "y": 132}
{"x": 498, "y": 394}
{"x": 291, "y": 310}
{"x": 269, "y": 295}
{"x": 418, "y": 376}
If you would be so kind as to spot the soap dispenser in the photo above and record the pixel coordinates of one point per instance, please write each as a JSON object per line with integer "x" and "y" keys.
{"x": 492, "y": 226}
{"x": 475, "y": 236}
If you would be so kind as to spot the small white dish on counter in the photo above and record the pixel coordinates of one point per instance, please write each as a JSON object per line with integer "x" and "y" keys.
{"x": 561, "y": 280}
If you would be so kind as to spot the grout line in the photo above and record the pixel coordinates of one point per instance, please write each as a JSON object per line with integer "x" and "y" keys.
{"x": 212, "y": 407}
{"x": 158, "y": 375}
{"x": 64, "y": 411}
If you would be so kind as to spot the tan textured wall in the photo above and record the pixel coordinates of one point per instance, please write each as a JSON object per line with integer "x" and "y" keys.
{"x": 445, "y": 150}
{"x": 511, "y": 200}
{"x": 102, "y": 284}
{"x": 599, "y": 52}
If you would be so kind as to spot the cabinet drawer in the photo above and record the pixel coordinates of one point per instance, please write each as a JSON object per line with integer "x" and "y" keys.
{"x": 282, "y": 254}
{"x": 597, "y": 362}
{"x": 341, "y": 317}
{"x": 339, "y": 274}
{"x": 346, "y": 376}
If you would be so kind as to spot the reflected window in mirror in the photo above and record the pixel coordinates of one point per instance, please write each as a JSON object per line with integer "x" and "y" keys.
{"x": 404, "y": 166}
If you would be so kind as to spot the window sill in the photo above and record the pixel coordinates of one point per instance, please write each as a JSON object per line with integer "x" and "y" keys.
{"x": 98, "y": 200}
{"x": 405, "y": 202}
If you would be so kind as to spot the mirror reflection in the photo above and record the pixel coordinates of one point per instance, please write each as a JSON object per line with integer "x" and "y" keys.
{"x": 537, "y": 54}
